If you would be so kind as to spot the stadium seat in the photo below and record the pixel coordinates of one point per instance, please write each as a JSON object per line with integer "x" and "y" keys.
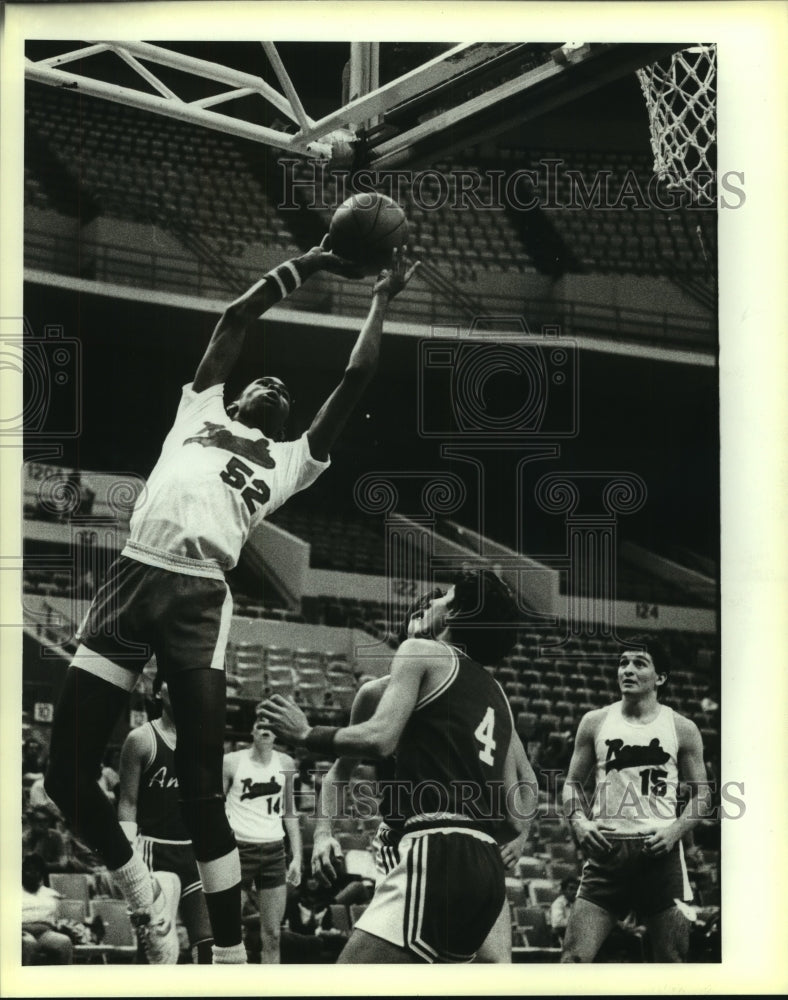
{"x": 120, "y": 940}
{"x": 525, "y": 723}
{"x": 71, "y": 885}
{"x": 532, "y": 923}
{"x": 530, "y": 868}
{"x": 340, "y": 918}
{"x": 515, "y": 891}
{"x": 559, "y": 870}
{"x": 343, "y": 696}
{"x": 72, "y": 909}
{"x": 562, "y": 852}
{"x": 542, "y": 891}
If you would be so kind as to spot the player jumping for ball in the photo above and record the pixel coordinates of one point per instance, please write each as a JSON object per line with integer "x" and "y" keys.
{"x": 631, "y": 833}
{"x": 221, "y": 471}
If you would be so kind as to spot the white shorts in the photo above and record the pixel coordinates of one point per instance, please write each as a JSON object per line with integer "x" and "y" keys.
{"x": 443, "y": 896}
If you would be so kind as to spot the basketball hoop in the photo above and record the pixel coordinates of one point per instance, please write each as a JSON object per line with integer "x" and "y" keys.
{"x": 681, "y": 96}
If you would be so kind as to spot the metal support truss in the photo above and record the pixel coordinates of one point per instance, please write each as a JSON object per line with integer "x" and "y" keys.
{"x": 313, "y": 139}
{"x": 573, "y": 69}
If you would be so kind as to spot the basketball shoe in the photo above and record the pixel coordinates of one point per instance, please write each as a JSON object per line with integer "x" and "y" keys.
{"x": 155, "y": 925}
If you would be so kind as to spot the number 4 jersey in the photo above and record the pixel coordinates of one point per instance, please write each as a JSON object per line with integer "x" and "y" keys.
{"x": 636, "y": 771}
{"x": 450, "y": 757}
{"x": 215, "y": 480}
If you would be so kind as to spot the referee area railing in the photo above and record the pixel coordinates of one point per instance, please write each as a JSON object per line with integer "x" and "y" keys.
{"x": 107, "y": 262}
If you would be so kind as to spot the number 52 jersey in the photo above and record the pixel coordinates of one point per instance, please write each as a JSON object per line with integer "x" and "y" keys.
{"x": 450, "y": 757}
{"x": 216, "y": 479}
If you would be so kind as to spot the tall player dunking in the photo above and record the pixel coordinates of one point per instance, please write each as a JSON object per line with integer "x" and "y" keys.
{"x": 631, "y": 833}
{"x": 221, "y": 471}
{"x": 451, "y": 726}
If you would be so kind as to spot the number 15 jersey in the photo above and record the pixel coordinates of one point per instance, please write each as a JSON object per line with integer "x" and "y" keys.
{"x": 637, "y": 777}
{"x": 450, "y": 757}
{"x": 215, "y": 480}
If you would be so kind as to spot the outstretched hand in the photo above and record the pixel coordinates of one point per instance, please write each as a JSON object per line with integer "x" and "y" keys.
{"x": 324, "y": 259}
{"x": 284, "y": 718}
{"x": 393, "y": 279}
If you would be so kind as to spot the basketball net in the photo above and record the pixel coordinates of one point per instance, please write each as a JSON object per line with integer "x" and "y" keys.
{"x": 681, "y": 96}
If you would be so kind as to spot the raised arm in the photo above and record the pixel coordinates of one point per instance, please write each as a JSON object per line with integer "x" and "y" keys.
{"x": 228, "y": 337}
{"x": 363, "y": 362}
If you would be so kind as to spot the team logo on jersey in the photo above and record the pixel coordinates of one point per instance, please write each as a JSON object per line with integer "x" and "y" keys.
{"x": 256, "y": 789}
{"x": 163, "y": 779}
{"x": 621, "y": 755}
{"x": 217, "y": 436}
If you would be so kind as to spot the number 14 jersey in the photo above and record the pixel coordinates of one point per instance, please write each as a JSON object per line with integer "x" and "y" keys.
{"x": 450, "y": 757}
{"x": 215, "y": 480}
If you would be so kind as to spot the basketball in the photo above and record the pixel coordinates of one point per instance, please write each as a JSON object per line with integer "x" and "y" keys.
{"x": 366, "y": 228}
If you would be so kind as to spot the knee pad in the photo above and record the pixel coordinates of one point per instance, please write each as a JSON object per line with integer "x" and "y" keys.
{"x": 208, "y": 827}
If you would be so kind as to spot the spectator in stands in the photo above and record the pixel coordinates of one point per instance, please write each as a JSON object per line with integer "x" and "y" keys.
{"x": 38, "y": 797}
{"x": 710, "y": 702}
{"x": 561, "y": 907}
{"x": 41, "y": 942}
{"x": 110, "y": 779}
{"x": 221, "y": 471}
{"x": 33, "y": 759}
{"x": 308, "y": 910}
{"x": 308, "y": 933}
{"x": 44, "y": 841}
{"x": 59, "y": 851}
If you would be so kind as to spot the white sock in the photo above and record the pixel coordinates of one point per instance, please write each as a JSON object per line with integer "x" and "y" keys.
{"x": 234, "y": 954}
{"x": 135, "y": 882}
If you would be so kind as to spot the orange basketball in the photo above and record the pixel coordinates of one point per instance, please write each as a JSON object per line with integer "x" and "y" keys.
{"x": 366, "y": 228}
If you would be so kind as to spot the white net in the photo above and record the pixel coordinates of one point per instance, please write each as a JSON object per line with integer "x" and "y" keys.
{"x": 681, "y": 96}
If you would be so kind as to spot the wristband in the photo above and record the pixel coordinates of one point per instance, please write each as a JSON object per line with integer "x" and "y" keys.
{"x": 129, "y": 827}
{"x": 321, "y": 739}
{"x": 285, "y": 277}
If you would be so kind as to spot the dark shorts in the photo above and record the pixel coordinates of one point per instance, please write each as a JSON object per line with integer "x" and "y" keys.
{"x": 631, "y": 880}
{"x": 164, "y": 856}
{"x": 142, "y": 610}
{"x": 442, "y": 898}
{"x": 161, "y": 856}
{"x": 263, "y": 866}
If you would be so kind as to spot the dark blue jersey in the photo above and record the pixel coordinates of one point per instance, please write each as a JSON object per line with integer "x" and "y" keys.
{"x": 450, "y": 757}
{"x": 158, "y": 806}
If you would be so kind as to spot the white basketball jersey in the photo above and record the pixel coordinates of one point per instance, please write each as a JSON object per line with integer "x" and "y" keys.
{"x": 636, "y": 771}
{"x": 255, "y": 800}
{"x": 215, "y": 480}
